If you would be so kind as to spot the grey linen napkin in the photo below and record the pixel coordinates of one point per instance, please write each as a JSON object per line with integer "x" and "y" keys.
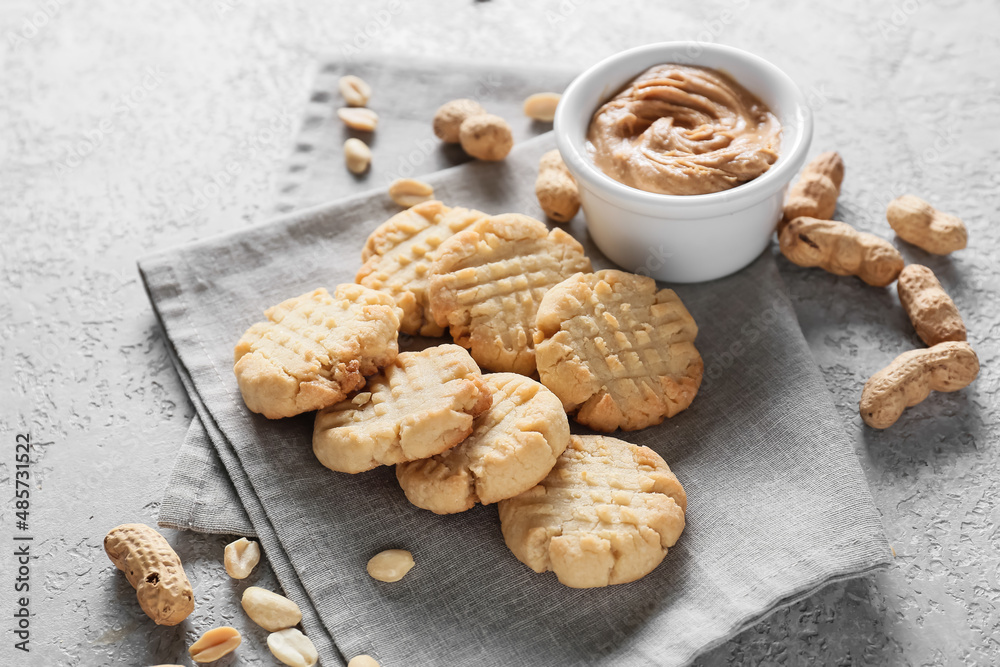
{"x": 778, "y": 505}
{"x": 199, "y": 495}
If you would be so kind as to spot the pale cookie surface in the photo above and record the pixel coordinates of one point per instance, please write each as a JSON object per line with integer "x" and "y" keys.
{"x": 314, "y": 349}
{"x": 606, "y": 514}
{"x": 513, "y": 446}
{"x": 488, "y": 281}
{"x": 617, "y": 352}
{"x": 419, "y": 405}
{"x": 399, "y": 253}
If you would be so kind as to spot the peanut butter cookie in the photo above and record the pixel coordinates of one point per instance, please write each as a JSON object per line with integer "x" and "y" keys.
{"x": 399, "y": 253}
{"x": 513, "y": 446}
{"x": 488, "y": 280}
{"x": 606, "y": 514}
{"x": 616, "y": 351}
{"x": 314, "y": 349}
{"x": 421, "y": 404}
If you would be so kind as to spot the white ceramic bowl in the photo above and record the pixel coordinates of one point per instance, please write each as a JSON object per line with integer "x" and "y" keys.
{"x": 682, "y": 238}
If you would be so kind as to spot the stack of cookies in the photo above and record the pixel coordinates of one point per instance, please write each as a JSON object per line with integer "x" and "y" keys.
{"x": 521, "y": 301}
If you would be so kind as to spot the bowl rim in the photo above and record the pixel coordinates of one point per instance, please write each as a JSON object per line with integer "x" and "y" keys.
{"x": 759, "y": 188}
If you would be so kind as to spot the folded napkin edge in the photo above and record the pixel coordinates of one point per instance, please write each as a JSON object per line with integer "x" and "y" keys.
{"x": 802, "y": 593}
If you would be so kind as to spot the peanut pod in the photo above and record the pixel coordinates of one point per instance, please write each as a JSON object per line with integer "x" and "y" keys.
{"x": 917, "y": 222}
{"x": 931, "y": 310}
{"x": 154, "y": 569}
{"x": 911, "y": 377}
{"x": 840, "y": 249}
{"x": 815, "y": 194}
{"x": 555, "y": 188}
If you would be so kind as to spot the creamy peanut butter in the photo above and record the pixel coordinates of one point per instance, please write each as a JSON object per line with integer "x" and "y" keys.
{"x": 683, "y": 130}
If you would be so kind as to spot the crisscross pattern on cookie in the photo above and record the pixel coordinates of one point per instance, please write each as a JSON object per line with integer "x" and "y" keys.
{"x": 418, "y": 406}
{"x": 617, "y": 352}
{"x": 398, "y": 255}
{"x": 314, "y": 349}
{"x": 606, "y": 514}
{"x": 512, "y": 447}
{"x": 488, "y": 281}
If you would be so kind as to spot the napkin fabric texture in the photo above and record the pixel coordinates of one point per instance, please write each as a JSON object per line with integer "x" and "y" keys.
{"x": 777, "y": 503}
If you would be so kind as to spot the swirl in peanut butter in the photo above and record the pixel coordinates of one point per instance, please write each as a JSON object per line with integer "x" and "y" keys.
{"x": 682, "y": 130}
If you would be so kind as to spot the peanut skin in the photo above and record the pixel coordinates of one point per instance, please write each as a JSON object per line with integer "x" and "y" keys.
{"x": 917, "y": 222}
{"x": 815, "y": 194}
{"x": 840, "y": 249}
{"x": 449, "y": 118}
{"x": 154, "y": 569}
{"x": 486, "y": 137}
{"x": 555, "y": 188}
{"x": 931, "y": 310}
{"x": 911, "y": 377}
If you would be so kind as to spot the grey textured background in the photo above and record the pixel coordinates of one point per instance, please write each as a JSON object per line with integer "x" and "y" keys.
{"x": 152, "y": 108}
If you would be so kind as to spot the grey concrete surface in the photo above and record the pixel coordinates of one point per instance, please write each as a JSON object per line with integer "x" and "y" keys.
{"x": 118, "y": 119}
